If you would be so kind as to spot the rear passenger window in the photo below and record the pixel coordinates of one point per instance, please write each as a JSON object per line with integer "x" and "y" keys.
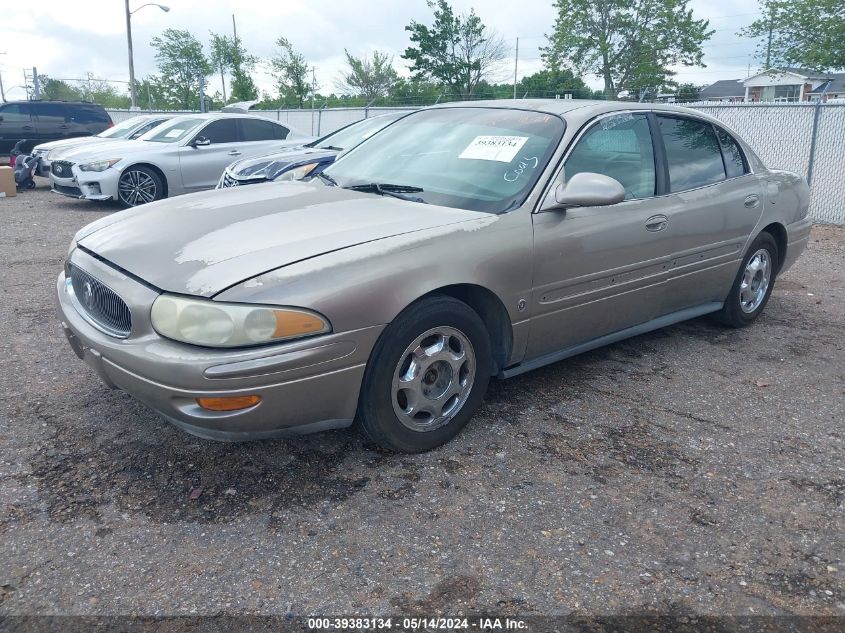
{"x": 256, "y": 130}
{"x": 86, "y": 114}
{"x": 734, "y": 162}
{"x": 620, "y": 147}
{"x": 692, "y": 152}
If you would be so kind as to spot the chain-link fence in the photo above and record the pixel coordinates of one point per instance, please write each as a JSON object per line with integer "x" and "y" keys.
{"x": 808, "y": 139}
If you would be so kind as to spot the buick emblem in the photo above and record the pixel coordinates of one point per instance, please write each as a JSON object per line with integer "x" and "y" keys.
{"x": 88, "y": 295}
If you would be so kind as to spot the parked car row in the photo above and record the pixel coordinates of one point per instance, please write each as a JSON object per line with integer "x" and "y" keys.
{"x": 460, "y": 242}
{"x": 164, "y": 156}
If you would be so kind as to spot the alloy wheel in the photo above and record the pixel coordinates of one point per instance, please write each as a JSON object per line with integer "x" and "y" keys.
{"x": 755, "y": 281}
{"x": 136, "y": 187}
{"x": 433, "y": 379}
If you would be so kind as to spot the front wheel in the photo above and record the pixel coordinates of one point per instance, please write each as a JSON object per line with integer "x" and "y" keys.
{"x": 753, "y": 284}
{"x": 139, "y": 185}
{"x": 426, "y": 376}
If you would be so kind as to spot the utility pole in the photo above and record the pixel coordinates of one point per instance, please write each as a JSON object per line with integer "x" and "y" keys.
{"x": 36, "y": 85}
{"x": 235, "y": 29}
{"x": 133, "y": 97}
{"x": 515, "y": 66}
{"x": 2, "y": 92}
{"x": 769, "y": 45}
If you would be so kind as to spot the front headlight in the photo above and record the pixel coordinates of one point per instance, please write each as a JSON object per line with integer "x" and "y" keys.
{"x": 213, "y": 324}
{"x": 296, "y": 174}
{"x": 100, "y": 165}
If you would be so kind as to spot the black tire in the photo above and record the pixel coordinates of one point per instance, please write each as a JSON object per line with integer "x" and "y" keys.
{"x": 150, "y": 186}
{"x": 732, "y": 313}
{"x": 377, "y": 417}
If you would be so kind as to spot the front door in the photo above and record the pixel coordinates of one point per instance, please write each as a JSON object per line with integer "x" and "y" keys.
{"x": 598, "y": 270}
{"x": 202, "y": 165}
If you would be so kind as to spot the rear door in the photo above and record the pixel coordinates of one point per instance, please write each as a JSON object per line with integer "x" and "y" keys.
{"x": 598, "y": 270}
{"x": 202, "y": 165}
{"x": 261, "y": 137}
{"x": 16, "y": 123}
{"x": 714, "y": 204}
{"x": 52, "y": 121}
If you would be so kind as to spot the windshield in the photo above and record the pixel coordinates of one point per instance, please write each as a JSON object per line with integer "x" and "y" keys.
{"x": 351, "y": 135}
{"x": 122, "y": 129}
{"x": 172, "y": 131}
{"x": 482, "y": 159}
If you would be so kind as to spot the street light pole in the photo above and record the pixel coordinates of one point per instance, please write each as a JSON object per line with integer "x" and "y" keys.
{"x": 132, "y": 95}
{"x": 132, "y": 92}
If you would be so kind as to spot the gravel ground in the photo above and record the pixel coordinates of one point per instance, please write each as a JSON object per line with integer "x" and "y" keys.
{"x": 693, "y": 470}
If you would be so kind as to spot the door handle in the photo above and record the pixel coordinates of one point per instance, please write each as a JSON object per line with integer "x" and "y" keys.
{"x": 64, "y": 127}
{"x": 234, "y": 152}
{"x": 26, "y": 127}
{"x": 752, "y": 201}
{"x": 656, "y": 223}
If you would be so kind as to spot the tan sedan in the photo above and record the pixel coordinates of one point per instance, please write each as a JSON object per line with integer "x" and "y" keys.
{"x": 462, "y": 242}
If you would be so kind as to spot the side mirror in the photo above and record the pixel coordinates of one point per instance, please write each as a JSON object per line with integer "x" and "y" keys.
{"x": 585, "y": 189}
{"x": 200, "y": 141}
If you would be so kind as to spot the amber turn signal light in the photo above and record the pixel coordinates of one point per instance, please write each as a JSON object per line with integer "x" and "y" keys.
{"x": 231, "y": 403}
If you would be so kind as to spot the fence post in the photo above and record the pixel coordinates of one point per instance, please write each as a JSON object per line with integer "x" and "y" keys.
{"x": 816, "y": 113}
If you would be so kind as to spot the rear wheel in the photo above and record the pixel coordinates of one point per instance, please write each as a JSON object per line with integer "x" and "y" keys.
{"x": 139, "y": 185}
{"x": 753, "y": 284}
{"x": 426, "y": 376}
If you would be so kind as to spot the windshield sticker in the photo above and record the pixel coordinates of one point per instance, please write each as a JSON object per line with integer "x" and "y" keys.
{"x": 174, "y": 133}
{"x": 524, "y": 163}
{"x": 500, "y": 148}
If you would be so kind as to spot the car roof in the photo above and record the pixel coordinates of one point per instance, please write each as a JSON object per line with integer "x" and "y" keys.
{"x": 591, "y": 107}
{"x": 53, "y": 101}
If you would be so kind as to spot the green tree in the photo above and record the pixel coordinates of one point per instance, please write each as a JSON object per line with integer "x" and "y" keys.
{"x": 58, "y": 90}
{"x": 151, "y": 94}
{"x": 370, "y": 78}
{"x": 228, "y": 56}
{"x": 457, "y": 50}
{"x": 804, "y": 33}
{"x": 291, "y": 72}
{"x": 630, "y": 44}
{"x": 182, "y": 67}
{"x": 548, "y": 83}
{"x": 687, "y": 92}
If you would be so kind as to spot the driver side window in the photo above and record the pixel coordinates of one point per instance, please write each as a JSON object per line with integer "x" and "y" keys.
{"x": 620, "y": 147}
{"x": 220, "y": 131}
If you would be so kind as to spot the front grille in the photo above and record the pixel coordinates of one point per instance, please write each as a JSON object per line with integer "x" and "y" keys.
{"x": 100, "y": 304}
{"x": 75, "y": 192}
{"x": 61, "y": 168}
{"x": 229, "y": 181}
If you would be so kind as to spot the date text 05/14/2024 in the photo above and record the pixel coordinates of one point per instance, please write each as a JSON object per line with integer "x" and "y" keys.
{"x": 416, "y": 624}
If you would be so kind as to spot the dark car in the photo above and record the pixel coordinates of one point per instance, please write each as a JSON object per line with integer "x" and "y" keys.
{"x": 42, "y": 121}
{"x": 308, "y": 160}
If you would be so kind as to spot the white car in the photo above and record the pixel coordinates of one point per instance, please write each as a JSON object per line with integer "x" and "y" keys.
{"x": 185, "y": 154}
{"x": 126, "y": 130}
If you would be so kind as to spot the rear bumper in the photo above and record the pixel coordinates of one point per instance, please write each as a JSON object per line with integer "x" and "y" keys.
{"x": 797, "y": 237}
{"x": 305, "y": 386}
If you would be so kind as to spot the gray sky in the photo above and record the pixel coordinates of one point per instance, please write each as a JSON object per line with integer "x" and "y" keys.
{"x": 91, "y": 37}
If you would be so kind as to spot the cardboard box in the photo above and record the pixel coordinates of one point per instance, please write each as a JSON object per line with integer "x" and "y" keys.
{"x": 7, "y": 181}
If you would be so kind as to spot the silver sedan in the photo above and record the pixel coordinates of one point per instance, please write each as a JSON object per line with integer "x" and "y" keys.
{"x": 462, "y": 242}
{"x": 187, "y": 153}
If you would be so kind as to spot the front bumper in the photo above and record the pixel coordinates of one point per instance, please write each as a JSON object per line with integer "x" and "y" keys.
{"x": 305, "y": 386}
{"x": 99, "y": 185}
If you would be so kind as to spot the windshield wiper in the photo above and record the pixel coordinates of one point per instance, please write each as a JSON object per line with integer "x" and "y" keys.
{"x": 327, "y": 178}
{"x": 387, "y": 189}
{"x": 333, "y": 147}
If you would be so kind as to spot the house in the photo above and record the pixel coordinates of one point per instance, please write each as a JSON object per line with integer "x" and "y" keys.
{"x": 788, "y": 85}
{"x": 833, "y": 88}
{"x": 727, "y": 90}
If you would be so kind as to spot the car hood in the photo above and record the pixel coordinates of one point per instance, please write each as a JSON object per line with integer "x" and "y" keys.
{"x": 203, "y": 243}
{"x": 249, "y": 167}
{"x": 107, "y": 151}
{"x": 70, "y": 143}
